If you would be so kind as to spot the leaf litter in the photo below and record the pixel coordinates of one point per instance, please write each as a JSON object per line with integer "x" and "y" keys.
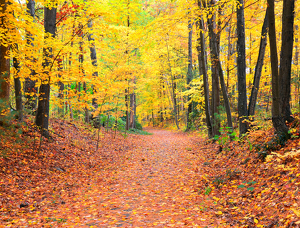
{"x": 168, "y": 179}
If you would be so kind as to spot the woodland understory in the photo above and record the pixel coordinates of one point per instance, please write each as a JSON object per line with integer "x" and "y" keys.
{"x": 167, "y": 179}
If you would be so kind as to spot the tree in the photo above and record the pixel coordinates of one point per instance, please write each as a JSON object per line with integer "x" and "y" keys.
{"x": 241, "y": 66}
{"x": 18, "y": 84}
{"x": 259, "y": 65}
{"x": 30, "y": 88}
{"x": 202, "y": 61}
{"x": 277, "y": 119}
{"x": 93, "y": 55}
{"x": 4, "y": 60}
{"x": 286, "y": 58}
{"x": 189, "y": 76}
{"x": 215, "y": 50}
{"x": 42, "y": 117}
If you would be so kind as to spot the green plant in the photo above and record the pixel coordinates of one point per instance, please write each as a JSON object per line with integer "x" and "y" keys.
{"x": 207, "y": 191}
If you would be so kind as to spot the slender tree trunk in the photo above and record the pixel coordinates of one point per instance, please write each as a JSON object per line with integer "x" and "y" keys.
{"x": 173, "y": 89}
{"x": 42, "y": 117}
{"x": 286, "y": 58}
{"x": 202, "y": 59}
{"x": 93, "y": 54}
{"x": 18, "y": 86}
{"x": 241, "y": 66}
{"x": 4, "y": 61}
{"x": 189, "y": 76}
{"x": 127, "y": 94}
{"x": 132, "y": 110}
{"x": 228, "y": 55}
{"x": 30, "y": 88}
{"x": 61, "y": 88}
{"x": 259, "y": 65}
{"x": 277, "y": 119}
{"x": 213, "y": 43}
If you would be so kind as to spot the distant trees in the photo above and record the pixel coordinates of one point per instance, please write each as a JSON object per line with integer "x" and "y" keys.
{"x": 148, "y": 53}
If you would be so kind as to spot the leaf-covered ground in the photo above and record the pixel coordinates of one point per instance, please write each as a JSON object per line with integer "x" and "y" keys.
{"x": 167, "y": 179}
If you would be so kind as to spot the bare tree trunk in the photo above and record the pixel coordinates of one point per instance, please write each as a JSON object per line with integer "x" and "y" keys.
{"x": 4, "y": 61}
{"x": 30, "y": 88}
{"x": 213, "y": 43}
{"x": 42, "y": 117}
{"x": 132, "y": 110}
{"x": 277, "y": 119}
{"x": 202, "y": 59}
{"x": 286, "y": 58}
{"x": 93, "y": 55}
{"x": 241, "y": 66}
{"x": 189, "y": 76}
{"x": 259, "y": 65}
{"x": 61, "y": 87}
{"x": 18, "y": 86}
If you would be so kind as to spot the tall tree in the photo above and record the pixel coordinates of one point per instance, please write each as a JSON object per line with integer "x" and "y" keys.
{"x": 259, "y": 65}
{"x": 286, "y": 58}
{"x": 93, "y": 55}
{"x": 18, "y": 84}
{"x": 202, "y": 61}
{"x": 4, "y": 61}
{"x": 241, "y": 67}
{"x": 189, "y": 76}
{"x": 277, "y": 120}
{"x": 30, "y": 88}
{"x": 42, "y": 117}
{"x": 214, "y": 47}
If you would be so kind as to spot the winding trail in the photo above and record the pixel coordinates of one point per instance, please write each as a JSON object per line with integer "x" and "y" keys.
{"x": 154, "y": 187}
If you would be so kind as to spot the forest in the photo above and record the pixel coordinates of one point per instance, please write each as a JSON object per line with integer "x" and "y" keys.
{"x": 145, "y": 113}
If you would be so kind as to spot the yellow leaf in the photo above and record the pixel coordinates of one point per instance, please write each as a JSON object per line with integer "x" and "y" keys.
{"x": 219, "y": 213}
{"x": 256, "y": 221}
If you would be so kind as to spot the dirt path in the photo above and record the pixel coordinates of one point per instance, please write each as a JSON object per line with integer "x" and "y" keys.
{"x": 154, "y": 187}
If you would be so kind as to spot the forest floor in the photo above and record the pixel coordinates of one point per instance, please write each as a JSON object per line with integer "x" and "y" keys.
{"x": 168, "y": 179}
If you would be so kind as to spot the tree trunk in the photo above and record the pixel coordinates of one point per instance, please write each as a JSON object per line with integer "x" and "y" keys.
{"x": 202, "y": 60}
{"x": 93, "y": 55}
{"x": 286, "y": 58}
{"x": 132, "y": 110}
{"x": 4, "y": 61}
{"x": 259, "y": 65}
{"x": 215, "y": 54}
{"x": 30, "y": 88}
{"x": 61, "y": 88}
{"x": 277, "y": 119}
{"x": 189, "y": 76}
{"x": 241, "y": 66}
{"x": 18, "y": 86}
{"x": 213, "y": 42}
{"x": 42, "y": 117}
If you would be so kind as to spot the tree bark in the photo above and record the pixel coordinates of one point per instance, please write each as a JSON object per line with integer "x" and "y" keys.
{"x": 259, "y": 65}
{"x": 18, "y": 86}
{"x": 202, "y": 60}
{"x": 286, "y": 58}
{"x": 241, "y": 66}
{"x": 277, "y": 119}
{"x": 4, "y": 61}
{"x": 42, "y": 117}
{"x": 189, "y": 76}
{"x": 213, "y": 42}
{"x": 30, "y": 88}
{"x": 132, "y": 110}
{"x": 93, "y": 54}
